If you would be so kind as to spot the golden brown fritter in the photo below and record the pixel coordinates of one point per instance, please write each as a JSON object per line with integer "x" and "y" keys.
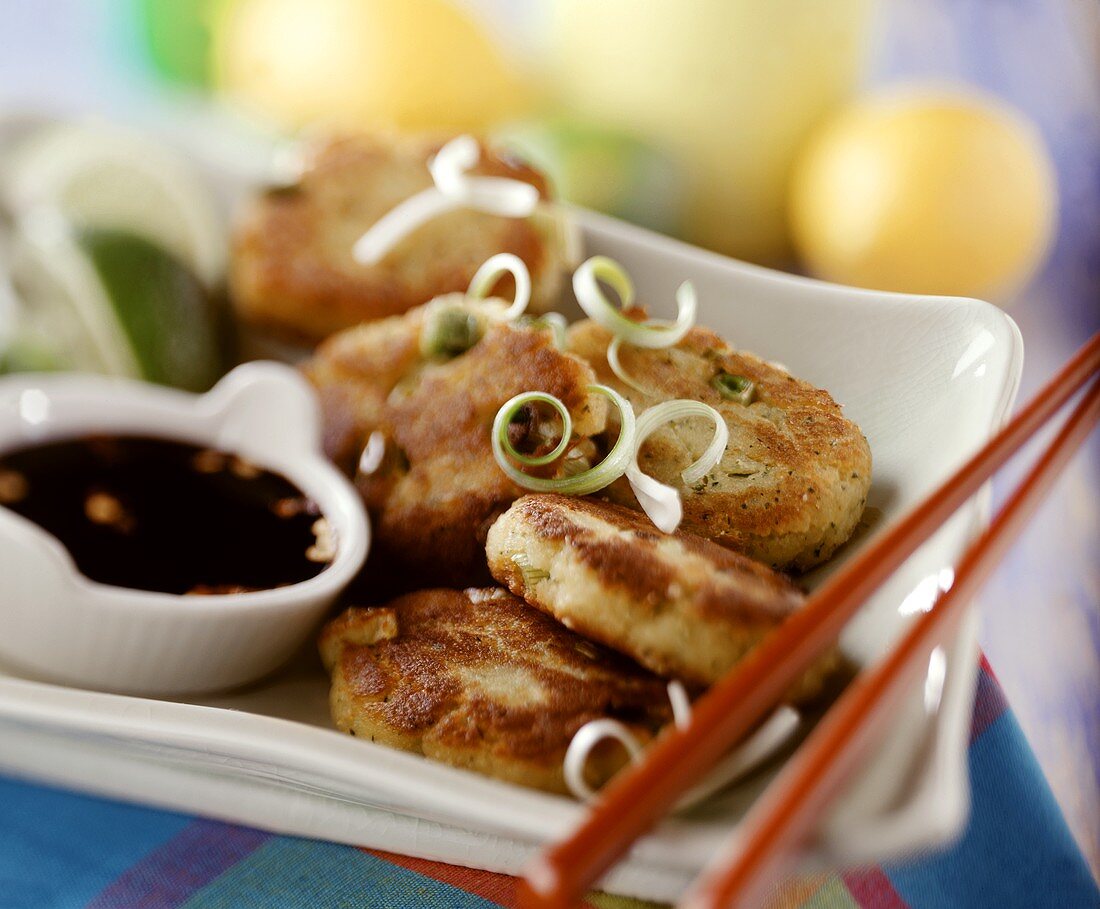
{"x": 679, "y": 604}
{"x": 479, "y": 680}
{"x": 439, "y": 487}
{"x": 292, "y": 270}
{"x": 793, "y": 482}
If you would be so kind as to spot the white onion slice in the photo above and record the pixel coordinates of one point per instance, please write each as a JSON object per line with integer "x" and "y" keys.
{"x": 586, "y": 739}
{"x": 768, "y": 738}
{"x": 373, "y": 453}
{"x": 449, "y": 165}
{"x": 681, "y": 703}
{"x": 454, "y": 188}
{"x": 558, "y": 325}
{"x": 603, "y": 474}
{"x": 654, "y": 334}
{"x": 399, "y": 222}
{"x": 617, "y": 367}
{"x": 491, "y": 270}
{"x": 659, "y": 500}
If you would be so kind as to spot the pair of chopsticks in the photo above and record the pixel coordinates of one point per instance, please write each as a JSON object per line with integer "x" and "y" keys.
{"x": 636, "y": 799}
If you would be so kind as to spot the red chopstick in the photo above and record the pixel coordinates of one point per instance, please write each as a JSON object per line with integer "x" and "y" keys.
{"x": 640, "y": 796}
{"x": 787, "y": 811}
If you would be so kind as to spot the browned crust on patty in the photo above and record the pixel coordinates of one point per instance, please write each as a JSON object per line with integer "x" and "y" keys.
{"x": 440, "y": 487}
{"x": 794, "y": 478}
{"x": 480, "y": 680}
{"x": 632, "y": 560}
{"x": 292, "y": 270}
{"x": 678, "y": 604}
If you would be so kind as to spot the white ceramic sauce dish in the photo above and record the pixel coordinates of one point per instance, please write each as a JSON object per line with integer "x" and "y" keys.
{"x": 58, "y": 624}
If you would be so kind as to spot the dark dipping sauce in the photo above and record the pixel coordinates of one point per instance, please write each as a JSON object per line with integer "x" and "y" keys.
{"x": 161, "y": 515}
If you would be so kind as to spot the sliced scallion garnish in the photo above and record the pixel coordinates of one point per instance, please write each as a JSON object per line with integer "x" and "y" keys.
{"x": 617, "y": 367}
{"x": 453, "y": 188}
{"x": 593, "y": 732}
{"x": 448, "y": 331}
{"x": 658, "y": 500}
{"x": 681, "y": 704}
{"x": 373, "y": 453}
{"x": 511, "y": 410}
{"x": 734, "y": 388}
{"x": 580, "y": 747}
{"x": 490, "y": 272}
{"x": 531, "y": 575}
{"x": 653, "y": 334}
{"x": 555, "y": 321}
{"x": 595, "y": 478}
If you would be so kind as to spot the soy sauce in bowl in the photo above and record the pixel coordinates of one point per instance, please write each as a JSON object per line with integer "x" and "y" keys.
{"x": 167, "y": 516}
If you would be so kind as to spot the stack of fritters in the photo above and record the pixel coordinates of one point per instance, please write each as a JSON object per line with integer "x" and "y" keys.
{"x": 681, "y": 606}
{"x": 438, "y": 488}
{"x": 603, "y": 609}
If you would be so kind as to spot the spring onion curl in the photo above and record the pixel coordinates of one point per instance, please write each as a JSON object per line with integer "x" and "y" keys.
{"x": 768, "y": 737}
{"x": 593, "y": 732}
{"x": 584, "y": 741}
{"x": 453, "y": 189}
{"x": 619, "y": 370}
{"x": 595, "y": 478}
{"x": 508, "y": 412}
{"x": 653, "y": 334}
{"x": 681, "y": 704}
{"x": 373, "y": 453}
{"x": 488, "y": 274}
{"x": 658, "y": 500}
{"x": 555, "y": 321}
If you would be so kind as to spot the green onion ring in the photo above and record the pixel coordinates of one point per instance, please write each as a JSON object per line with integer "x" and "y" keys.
{"x": 603, "y": 474}
{"x": 452, "y": 188}
{"x": 507, "y": 413}
{"x": 653, "y": 334}
{"x": 558, "y": 326}
{"x": 667, "y": 411}
{"x": 617, "y": 367}
{"x": 660, "y": 501}
{"x": 491, "y": 270}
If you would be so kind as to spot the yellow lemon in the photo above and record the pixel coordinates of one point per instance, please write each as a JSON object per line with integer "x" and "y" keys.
{"x": 937, "y": 193}
{"x": 412, "y": 64}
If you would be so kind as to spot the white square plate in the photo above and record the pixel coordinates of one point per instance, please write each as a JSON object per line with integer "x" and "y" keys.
{"x": 927, "y": 378}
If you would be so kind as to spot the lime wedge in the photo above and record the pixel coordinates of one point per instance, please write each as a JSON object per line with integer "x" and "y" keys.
{"x": 109, "y": 301}
{"x": 62, "y": 306}
{"x": 27, "y": 355}
{"x": 97, "y": 177}
{"x": 168, "y": 318}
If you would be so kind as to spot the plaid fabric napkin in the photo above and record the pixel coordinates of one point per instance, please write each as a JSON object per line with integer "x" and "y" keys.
{"x": 60, "y": 850}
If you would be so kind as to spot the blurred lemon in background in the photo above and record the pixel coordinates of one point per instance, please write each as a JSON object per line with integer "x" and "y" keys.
{"x": 925, "y": 192}
{"x": 729, "y": 88}
{"x": 411, "y": 64}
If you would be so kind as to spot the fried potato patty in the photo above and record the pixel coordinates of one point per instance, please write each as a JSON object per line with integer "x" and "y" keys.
{"x": 793, "y": 481}
{"x": 292, "y": 270}
{"x": 678, "y": 604}
{"x": 479, "y": 680}
{"x": 439, "y": 487}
